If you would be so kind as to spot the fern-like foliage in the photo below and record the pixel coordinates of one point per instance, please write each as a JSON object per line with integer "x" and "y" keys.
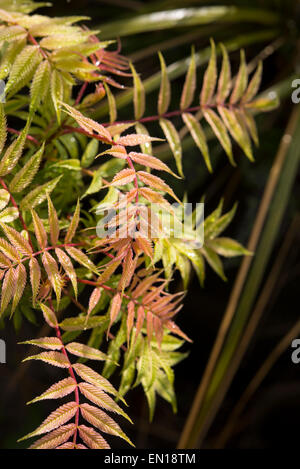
{"x": 93, "y": 387}
{"x": 225, "y": 104}
{"x": 53, "y": 170}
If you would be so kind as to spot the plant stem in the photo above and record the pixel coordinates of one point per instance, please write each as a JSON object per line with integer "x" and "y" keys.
{"x": 72, "y": 374}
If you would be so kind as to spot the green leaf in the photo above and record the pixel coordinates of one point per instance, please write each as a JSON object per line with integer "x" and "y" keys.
{"x": 9, "y": 56}
{"x": 224, "y": 85}
{"x": 73, "y": 164}
{"x": 82, "y": 323}
{"x": 265, "y": 104}
{"x": 138, "y": 94}
{"x": 39, "y": 86}
{"x": 241, "y": 81}
{"x": 3, "y": 132}
{"x": 90, "y": 153}
{"x": 214, "y": 261}
{"x": 189, "y": 86}
{"x": 238, "y": 132}
{"x": 38, "y": 195}
{"x": 23, "y": 69}
{"x": 165, "y": 88}
{"x": 254, "y": 84}
{"x": 198, "y": 136}
{"x": 11, "y": 33}
{"x": 24, "y": 177}
{"x": 174, "y": 141}
{"x": 13, "y": 153}
{"x": 210, "y": 78}
{"x": 219, "y": 225}
{"x": 74, "y": 224}
{"x": 95, "y": 185}
{"x": 228, "y": 247}
{"x": 9, "y": 214}
{"x": 111, "y": 104}
{"x": 145, "y": 147}
{"x": 220, "y": 131}
{"x": 82, "y": 258}
{"x": 57, "y": 92}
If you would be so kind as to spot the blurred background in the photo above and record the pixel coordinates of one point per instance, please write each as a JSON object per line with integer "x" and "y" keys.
{"x": 270, "y": 414}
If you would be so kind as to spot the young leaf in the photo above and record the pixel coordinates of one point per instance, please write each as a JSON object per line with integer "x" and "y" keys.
{"x": 224, "y": 85}
{"x": 253, "y": 85}
{"x": 174, "y": 141}
{"x": 57, "y": 418}
{"x": 3, "y": 132}
{"x": 101, "y": 420}
{"x": 80, "y": 257}
{"x": 53, "y": 222}
{"x": 81, "y": 350}
{"x": 24, "y": 177}
{"x": 65, "y": 261}
{"x": 9, "y": 250}
{"x": 90, "y": 153}
{"x": 241, "y": 81}
{"x": 94, "y": 300}
{"x": 35, "y": 278}
{"x": 40, "y": 231}
{"x": 131, "y": 140}
{"x": 94, "y": 378}
{"x": 198, "y": 136}
{"x": 23, "y": 69}
{"x": 156, "y": 183}
{"x": 239, "y": 134}
{"x": 48, "y": 343}
{"x": 51, "y": 268}
{"x": 92, "y": 438}
{"x": 123, "y": 177}
{"x": 38, "y": 195}
{"x": 53, "y": 358}
{"x": 210, "y": 78}
{"x": 49, "y": 315}
{"x": 189, "y": 86}
{"x": 9, "y": 214}
{"x": 220, "y": 131}
{"x": 138, "y": 94}
{"x": 4, "y": 198}
{"x": 115, "y": 307}
{"x": 81, "y": 323}
{"x": 111, "y": 104}
{"x": 57, "y": 390}
{"x": 145, "y": 147}
{"x": 101, "y": 399}
{"x": 57, "y": 92}
{"x": 40, "y": 85}
{"x": 55, "y": 438}
{"x": 73, "y": 225}
{"x": 228, "y": 247}
{"x": 8, "y": 286}
{"x": 13, "y": 153}
{"x": 89, "y": 125}
{"x": 20, "y": 282}
{"x": 17, "y": 240}
{"x": 165, "y": 88}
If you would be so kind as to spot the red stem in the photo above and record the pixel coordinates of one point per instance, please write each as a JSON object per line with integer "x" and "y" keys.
{"x": 130, "y": 164}
{"x": 72, "y": 374}
{"x": 34, "y": 41}
{"x": 28, "y": 137}
{"x": 81, "y": 92}
{"x": 68, "y": 130}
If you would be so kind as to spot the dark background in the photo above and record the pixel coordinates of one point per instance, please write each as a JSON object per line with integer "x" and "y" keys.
{"x": 271, "y": 417}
